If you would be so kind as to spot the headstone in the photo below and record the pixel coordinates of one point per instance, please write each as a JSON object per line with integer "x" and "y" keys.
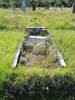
{"x": 14, "y": 11}
{"x": 23, "y": 7}
{"x": 54, "y": 8}
{"x": 39, "y": 8}
{"x": 47, "y": 6}
{"x": 62, "y": 7}
{"x": 39, "y": 4}
{"x": 73, "y": 8}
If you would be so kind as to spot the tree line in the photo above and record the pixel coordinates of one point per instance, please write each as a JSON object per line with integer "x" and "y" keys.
{"x": 39, "y": 3}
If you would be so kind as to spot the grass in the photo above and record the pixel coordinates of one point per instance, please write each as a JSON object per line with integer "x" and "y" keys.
{"x": 59, "y": 23}
{"x": 8, "y": 45}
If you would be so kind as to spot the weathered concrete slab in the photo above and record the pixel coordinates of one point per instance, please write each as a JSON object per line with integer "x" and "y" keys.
{"x": 17, "y": 54}
{"x": 35, "y": 31}
{"x": 35, "y": 27}
{"x": 35, "y": 41}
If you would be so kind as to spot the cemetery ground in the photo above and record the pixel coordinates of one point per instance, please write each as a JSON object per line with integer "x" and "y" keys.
{"x": 61, "y": 24}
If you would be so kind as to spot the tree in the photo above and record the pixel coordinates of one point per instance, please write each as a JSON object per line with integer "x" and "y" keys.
{"x": 41, "y": 3}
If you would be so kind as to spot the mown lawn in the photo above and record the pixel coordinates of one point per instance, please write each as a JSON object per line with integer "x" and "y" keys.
{"x": 12, "y": 25}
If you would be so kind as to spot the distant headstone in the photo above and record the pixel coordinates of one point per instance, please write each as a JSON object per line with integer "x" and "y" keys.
{"x": 54, "y": 8}
{"x": 23, "y": 7}
{"x": 47, "y": 6}
{"x": 39, "y": 8}
{"x": 39, "y": 4}
{"x": 14, "y": 11}
{"x": 62, "y": 7}
{"x": 73, "y": 8}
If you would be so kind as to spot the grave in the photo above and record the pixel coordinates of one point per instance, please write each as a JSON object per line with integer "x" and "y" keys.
{"x": 36, "y": 50}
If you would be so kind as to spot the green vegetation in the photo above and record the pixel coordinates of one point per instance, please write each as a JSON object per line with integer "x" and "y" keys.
{"x": 43, "y": 3}
{"x": 62, "y": 26}
{"x": 8, "y": 44}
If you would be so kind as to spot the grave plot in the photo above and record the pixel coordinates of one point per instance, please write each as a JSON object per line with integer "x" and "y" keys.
{"x": 38, "y": 50}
